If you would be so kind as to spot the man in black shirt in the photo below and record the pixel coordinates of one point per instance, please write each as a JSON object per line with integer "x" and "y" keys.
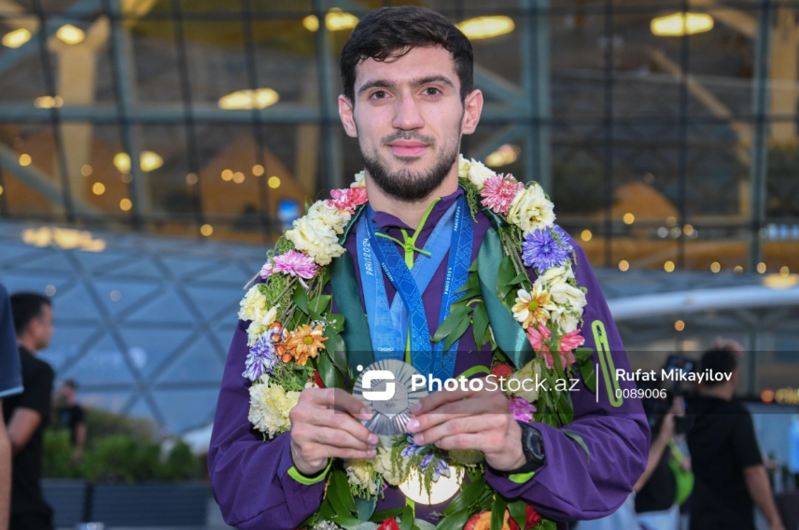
{"x": 27, "y": 414}
{"x": 69, "y": 417}
{"x": 726, "y": 458}
{"x": 10, "y": 384}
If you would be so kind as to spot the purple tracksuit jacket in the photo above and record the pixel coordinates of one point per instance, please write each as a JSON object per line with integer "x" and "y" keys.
{"x": 254, "y": 490}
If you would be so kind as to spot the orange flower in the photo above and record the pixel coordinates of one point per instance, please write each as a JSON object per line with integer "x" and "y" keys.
{"x": 305, "y": 342}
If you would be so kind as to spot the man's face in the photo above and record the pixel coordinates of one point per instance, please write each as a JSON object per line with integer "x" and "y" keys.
{"x": 408, "y": 116}
{"x": 42, "y": 328}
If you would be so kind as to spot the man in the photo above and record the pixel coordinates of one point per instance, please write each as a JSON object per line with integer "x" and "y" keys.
{"x": 69, "y": 416}
{"x": 727, "y": 464}
{"x": 408, "y": 98}
{"x": 27, "y": 414}
{"x": 10, "y": 384}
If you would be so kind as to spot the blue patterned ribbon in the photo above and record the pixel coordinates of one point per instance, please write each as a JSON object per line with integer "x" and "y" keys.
{"x": 388, "y": 325}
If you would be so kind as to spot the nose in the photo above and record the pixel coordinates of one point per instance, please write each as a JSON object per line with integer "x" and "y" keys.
{"x": 408, "y": 115}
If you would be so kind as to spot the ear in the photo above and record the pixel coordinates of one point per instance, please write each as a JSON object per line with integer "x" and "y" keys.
{"x": 472, "y": 108}
{"x": 345, "y": 112}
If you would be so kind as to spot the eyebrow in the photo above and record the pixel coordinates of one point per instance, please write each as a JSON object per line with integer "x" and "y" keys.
{"x": 384, "y": 83}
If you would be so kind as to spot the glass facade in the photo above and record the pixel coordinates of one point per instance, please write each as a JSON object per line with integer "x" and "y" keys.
{"x": 142, "y": 323}
{"x": 664, "y": 130}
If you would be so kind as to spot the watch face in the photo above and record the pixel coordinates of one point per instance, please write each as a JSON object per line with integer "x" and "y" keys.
{"x": 386, "y": 386}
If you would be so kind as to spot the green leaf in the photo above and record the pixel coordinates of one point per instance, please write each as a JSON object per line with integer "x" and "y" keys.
{"x": 382, "y": 515}
{"x": 579, "y": 439}
{"x": 459, "y": 330}
{"x": 505, "y": 276}
{"x": 326, "y": 510}
{"x": 565, "y": 408}
{"x": 498, "y": 512}
{"x": 467, "y": 496}
{"x": 518, "y": 511}
{"x": 456, "y": 521}
{"x": 451, "y": 322}
{"x": 521, "y": 277}
{"x": 338, "y": 491}
{"x": 335, "y": 348}
{"x": 366, "y": 507}
{"x": 320, "y": 303}
{"x": 583, "y": 354}
{"x": 330, "y": 376}
{"x": 350, "y": 523}
{"x": 407, "y": 518}
{"x": 336, "y": 321}
{"x": 479, "y": 324}
{"x": 301, "y": 299}
{"x": 546, "y": 524}
{"x": 471, "y": 283}
{"x": 589, "y": 376}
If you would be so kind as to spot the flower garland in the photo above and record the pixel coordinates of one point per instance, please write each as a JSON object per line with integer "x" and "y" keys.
{"x": 294, "y": 343}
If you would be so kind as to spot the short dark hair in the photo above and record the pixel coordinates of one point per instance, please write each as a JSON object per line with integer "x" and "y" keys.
{"x": 394, "y": 31}
{"x": 26, "y": 307}
{"x": 719, "y": 360}
{"x": 71, "y": 384}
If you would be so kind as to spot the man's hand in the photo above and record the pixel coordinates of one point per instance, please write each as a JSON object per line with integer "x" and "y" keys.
{"x": 323, "y": 426}
{"x": 467, "y": 419}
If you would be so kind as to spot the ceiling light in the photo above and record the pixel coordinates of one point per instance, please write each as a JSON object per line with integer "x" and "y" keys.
{"x": 16, "y": 38}
{"x": 679, "y": 24}
{"x": 48, "y": 102}
{"x": 70, "y": 34}
{"x": 248, "y": 99}
{"x": 506, "y": 154}
{"x": 122, "y": 162}
{"x": 486, "y": 27}
{"x": 150, "y": 161}
{"x": 335, "y": 20}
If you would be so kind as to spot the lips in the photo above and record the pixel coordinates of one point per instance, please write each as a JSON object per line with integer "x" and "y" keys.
{"x": 408, "y": 148}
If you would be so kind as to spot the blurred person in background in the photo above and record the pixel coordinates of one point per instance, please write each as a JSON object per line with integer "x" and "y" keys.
{"x": 27, "y": 413}
{"x": 69, "y": 417}
{"x": 729, "y": 470}
{"x": 667, "y": 480}
{"x": 10, "y": 384}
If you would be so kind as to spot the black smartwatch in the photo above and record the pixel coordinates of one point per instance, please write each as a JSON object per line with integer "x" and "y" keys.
{"x": 533, "y": 448}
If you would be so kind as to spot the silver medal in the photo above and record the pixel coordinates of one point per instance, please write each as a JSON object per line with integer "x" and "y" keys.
{"x": 386, "y": 386}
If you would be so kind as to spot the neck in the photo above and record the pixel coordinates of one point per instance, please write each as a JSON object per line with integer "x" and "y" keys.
{"x": 27, "y": 342}
{"x": 410, "y": 213}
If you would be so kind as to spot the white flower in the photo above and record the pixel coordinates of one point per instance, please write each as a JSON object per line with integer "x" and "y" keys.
{"x": 316, "y": 239}
{"x": 382, "y": 465}
{"x": 253, "y": 302}
{"x": 360, "y": 180}
{"x": 556, "y": 275}
{"x": 527, "y": 378}
{"x": 565, "y": 294}
{"x": 566, "y": 319}
{"x": 329, "y": 216}
{"x": 261, "y": 320}
{"x": 361, "y": 474}
{"x": 531, "y": 209}
{"x": 475, "y": 171}
{"x": 270, "y": 406}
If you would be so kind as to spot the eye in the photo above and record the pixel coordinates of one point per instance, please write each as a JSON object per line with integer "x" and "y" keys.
{"x": 432, "y": 91}
{"x": 379, "y": 94}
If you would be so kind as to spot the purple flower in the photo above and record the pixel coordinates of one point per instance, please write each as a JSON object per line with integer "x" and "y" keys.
{"x": 563, "y": 236}
{"x": 521, "y": 409}
{"x": 412, "y": 448}
{"x": 542, "y": 250}
{"x": 261, "y": 359}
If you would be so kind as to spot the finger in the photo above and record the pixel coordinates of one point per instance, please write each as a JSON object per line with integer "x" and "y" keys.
{"x": 461, "y": 441}
{"x": 438, "y": 398}
{"x": 341, "y": 400}
{"x": 337, "y": 438}
{"x": 474, "y": 405}
{"x": 342, "y": 421}
{"x": 453, "y": 427}
{"x": 328, "y": 451}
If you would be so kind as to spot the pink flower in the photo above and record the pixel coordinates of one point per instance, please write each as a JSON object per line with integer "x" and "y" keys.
{"x": 292, "y": 263}
{"x": 499, "y": 192}
{"x": 347, "y": 198}
{"x": 521, "y": 409}
{"x": 567, "y": 343}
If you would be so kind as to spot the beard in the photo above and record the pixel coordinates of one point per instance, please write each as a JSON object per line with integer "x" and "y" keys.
{"x": 407, "y": 185}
